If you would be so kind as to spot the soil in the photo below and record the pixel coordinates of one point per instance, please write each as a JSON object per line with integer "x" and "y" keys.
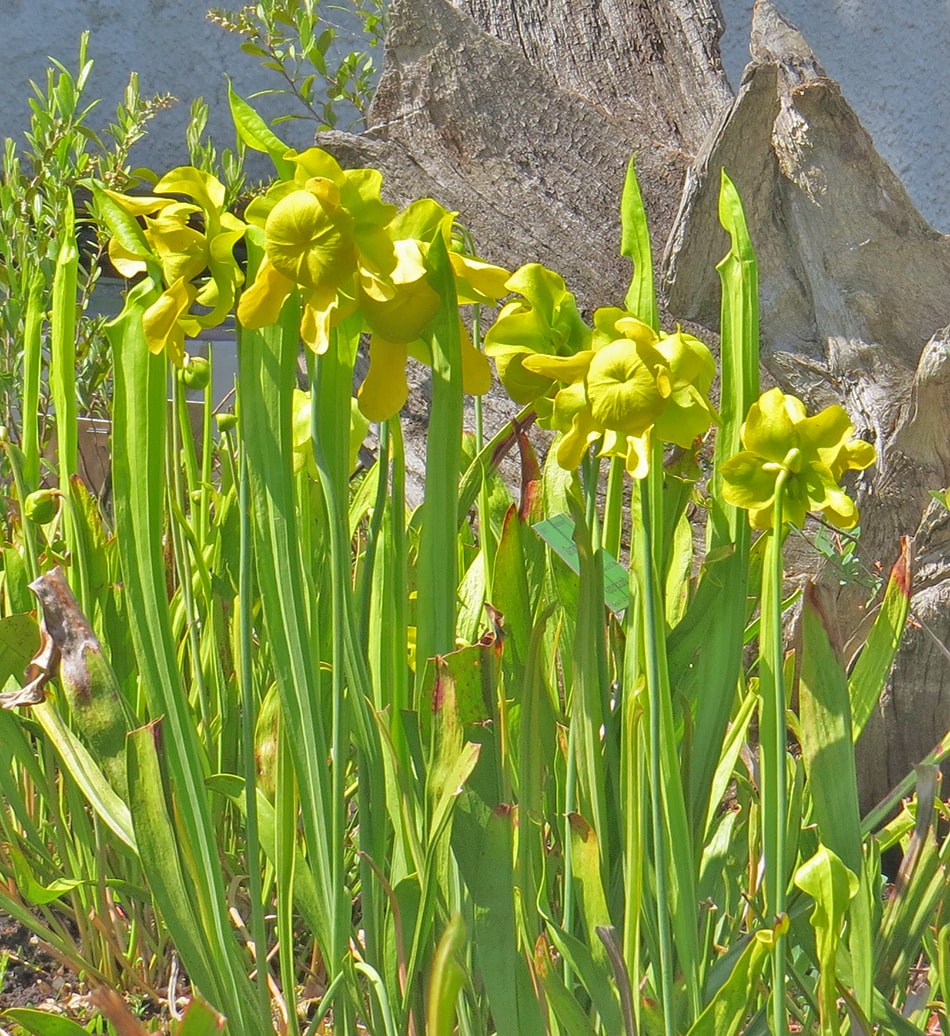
{"x": 30, "y": 977}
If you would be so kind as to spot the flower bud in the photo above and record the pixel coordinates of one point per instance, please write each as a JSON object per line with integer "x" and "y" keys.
{"x": 41, "y": 507}
{"x": 226, "y": 421}
{"x": 196, "y": 372}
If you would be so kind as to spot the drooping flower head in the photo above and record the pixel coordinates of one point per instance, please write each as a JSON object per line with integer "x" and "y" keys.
{"x": 397, "y": 310}
{"x": 814, "y": 452}
{"x": 321, "y": 231}
{"x": 544, "y": 321}
{"x": 625, "y": 386}
{"x": 328, "y": 235}
{"x": 191, "y": 243}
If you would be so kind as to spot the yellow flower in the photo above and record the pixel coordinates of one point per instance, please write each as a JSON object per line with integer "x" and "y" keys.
{"x": 309, "y": 245}
{"x": 544, "y": 322}
{"x": 324, "y": 232}
{"x": 197, "y": 266}
{"x": 328, "y": 236}
{"x": 624, "y": 390}
{"x": 813, "y": 452}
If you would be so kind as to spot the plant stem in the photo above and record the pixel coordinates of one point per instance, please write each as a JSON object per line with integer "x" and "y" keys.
{"x": 652, "y": 666}
{"x": 773, "y": 734}
{"x": 248, "y": 724}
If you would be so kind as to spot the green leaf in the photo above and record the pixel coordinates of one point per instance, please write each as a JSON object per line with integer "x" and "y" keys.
{"x": 832, "y": 886}
{"x": 737, "y": 997}
{"x": 258, "y": 136}
{"x": 42, "y": 1023}
{"x": 158, "y": 843}
{"x": 31, "y": 888}
{"x": 873, "y": 666}
{"x": 827, "y": 745}
{"x": 19, "y": 640}
{"x": 635, "y": 244}
{"x": 447, "y": 978}
{"x": 200, "y": 1020}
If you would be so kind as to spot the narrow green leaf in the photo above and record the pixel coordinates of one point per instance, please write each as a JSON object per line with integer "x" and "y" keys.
{"x": 586, "y": 863}
{"x": 158, "y": 843}
{"x": 560, "y": 1003}
{"x": 62, "y": 367}
{"x": 438, "y": 555}
{"x": 730, "y": 1006}
{"x": 258, "y": 136}
{"x": 873, "y": 666}
{"x": 447, "y": 979}
{"x": 635, "y": 245}
{"x": 42, "y": 1023}
{"x": 86, "y": 773}
{"x": 483, "y": 844}
{"x": 724, "y": 587}
{"x": 32, "y": 369}
{"x": 827, "y": 745}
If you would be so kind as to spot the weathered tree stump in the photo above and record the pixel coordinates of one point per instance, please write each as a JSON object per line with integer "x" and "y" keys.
{"x": 522, "y": 116}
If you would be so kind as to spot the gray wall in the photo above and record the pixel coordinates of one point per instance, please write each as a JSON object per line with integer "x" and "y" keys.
{"x": 172, "y": 46}
{"x": 892, "y": 58}
{"x": 889, "y": 55}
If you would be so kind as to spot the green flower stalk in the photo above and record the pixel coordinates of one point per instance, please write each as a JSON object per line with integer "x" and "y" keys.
{"x": 791, "y": 464}
{"x": 814, "y": 452}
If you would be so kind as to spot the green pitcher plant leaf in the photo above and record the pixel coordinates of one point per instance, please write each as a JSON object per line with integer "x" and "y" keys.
{"x": 832, "y": 886}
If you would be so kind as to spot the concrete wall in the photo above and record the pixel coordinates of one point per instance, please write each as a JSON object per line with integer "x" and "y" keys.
{"x": 172, "y": 46}
{"x": 889, "y": 56}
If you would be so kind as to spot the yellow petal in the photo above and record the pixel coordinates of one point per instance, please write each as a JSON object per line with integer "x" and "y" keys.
{"x": 584, "y": 431}
{"x": 317, "y": 319}
{"x": 261, "y": 304}
{"x": 638, "y": 454}
{"x": 561, "y": 368}
{"x": 384, "y": 390}
{"x": 160, "y": 321}
{"x": 127, "y": 263}
{"x": 309, "y": 241}
{"x": 476, "y": 370}
{"x": 477, "y": 281}
{"x": 637, "y": 331}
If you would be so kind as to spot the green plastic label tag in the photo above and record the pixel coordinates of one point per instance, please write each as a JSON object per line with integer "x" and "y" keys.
{"x": 558, "y": 534}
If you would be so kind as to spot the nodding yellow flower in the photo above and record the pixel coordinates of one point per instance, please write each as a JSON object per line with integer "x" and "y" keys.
{"x": 813, "y": 452}
{"x": 308, "y": 244}
{"x": 545, "y": 321}
{"x": 397, "y": 328}
{"x": 197, "y": 264}
{"x": 630, "y": 386}
{"x": 328, "y": 236}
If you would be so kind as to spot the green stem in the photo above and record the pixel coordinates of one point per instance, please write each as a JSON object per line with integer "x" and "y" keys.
{"x": 773, "y": 734}
{"x": 613, "y": 508}
{"x": 248, "y": 725}
{"x": 324, "y": 392}
{"x": 32, "y": 369}
{"x": 29, "y": 539}
{"x": 652, "y": 666}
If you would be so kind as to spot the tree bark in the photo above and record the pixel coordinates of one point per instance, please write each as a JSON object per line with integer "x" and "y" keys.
{"x": 855, "y": 292}
{"x": 522, "y": 115}
{"x": 533, "y": 165}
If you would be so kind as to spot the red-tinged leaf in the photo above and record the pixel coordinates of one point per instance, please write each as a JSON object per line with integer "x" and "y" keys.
{"x": 873, "y": 666}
